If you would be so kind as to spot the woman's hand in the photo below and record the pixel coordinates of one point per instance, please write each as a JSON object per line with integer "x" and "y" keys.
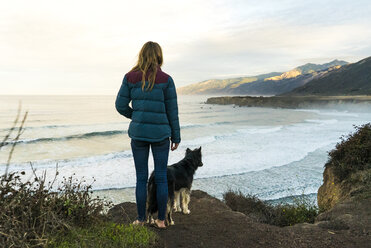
{"x": 174, "y": 146}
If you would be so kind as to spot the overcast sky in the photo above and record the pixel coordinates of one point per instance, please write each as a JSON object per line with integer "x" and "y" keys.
{"x": 85, "y": 47}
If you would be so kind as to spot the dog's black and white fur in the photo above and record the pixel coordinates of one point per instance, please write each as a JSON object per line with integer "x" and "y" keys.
{"x": 179, "y": 178}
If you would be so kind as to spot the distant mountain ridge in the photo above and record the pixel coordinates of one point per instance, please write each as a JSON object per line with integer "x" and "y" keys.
{"x": 308, "y": 68}
{"x": 266, "y": 84}
{"x": 215, "y": 86}
{"x": 350, "y": 79}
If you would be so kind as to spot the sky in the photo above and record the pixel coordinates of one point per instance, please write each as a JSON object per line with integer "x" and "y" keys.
{"x": 86, "y": 47}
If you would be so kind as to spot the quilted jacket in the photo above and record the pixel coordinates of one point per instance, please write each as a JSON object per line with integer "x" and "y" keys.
{"x": 153, "y": 113}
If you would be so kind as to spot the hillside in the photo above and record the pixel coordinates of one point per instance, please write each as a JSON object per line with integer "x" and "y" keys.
{"x": 265, "y": 84}
{"x": 217, "y": 86}
{"x": 308, "y": 68}
{"x": 351, "y": 79}
{"x": 274, "y": 86}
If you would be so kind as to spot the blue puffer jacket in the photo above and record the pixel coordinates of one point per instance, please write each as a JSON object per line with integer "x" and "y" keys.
{"x": 154, "y": 114}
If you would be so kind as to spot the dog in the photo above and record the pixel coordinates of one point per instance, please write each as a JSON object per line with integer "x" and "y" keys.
{"x": 179, "y": 179}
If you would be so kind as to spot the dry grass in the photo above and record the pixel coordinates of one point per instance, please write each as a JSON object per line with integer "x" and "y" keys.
{"x": 35, "y": 214}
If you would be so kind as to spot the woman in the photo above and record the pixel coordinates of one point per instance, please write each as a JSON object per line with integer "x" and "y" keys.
{"x": 154, "y": 120}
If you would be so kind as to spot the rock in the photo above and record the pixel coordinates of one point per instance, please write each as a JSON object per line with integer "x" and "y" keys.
{"x": 213, "y": 224}
{"x": 348, "y": 172}
{"x": 330, "y": 192}
{"x": 356, "y": 102}
{"x": 333, "y": 191}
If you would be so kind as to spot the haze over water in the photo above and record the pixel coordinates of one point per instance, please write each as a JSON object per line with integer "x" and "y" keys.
{"x": 272, "y": 153}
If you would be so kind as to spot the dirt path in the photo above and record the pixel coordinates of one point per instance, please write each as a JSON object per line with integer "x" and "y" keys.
{"x": 213, "y": 224}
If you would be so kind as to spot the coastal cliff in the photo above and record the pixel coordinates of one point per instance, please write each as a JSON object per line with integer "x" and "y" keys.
{"x": 214, "y": 224}
{"x": 348, "y": 172}
{"x": 344, "y": 199}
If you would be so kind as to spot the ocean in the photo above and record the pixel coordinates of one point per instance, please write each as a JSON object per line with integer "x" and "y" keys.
{"x": 270, "y": 153}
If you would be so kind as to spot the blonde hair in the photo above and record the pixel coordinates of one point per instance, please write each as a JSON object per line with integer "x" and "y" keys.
{"x": 149, "y": 58}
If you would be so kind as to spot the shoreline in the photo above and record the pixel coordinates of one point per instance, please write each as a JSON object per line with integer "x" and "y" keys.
{"x": 297, "y": 178}
{"x": 292, "y": 101}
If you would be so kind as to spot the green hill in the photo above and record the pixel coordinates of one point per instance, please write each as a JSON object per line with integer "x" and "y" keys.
{"x": 351, "y": 79}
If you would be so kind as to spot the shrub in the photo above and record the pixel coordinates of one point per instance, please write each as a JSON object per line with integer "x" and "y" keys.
{"x": 33, "y": 214}
{"x": 352, "y": 153}
{"x": 249, "y": 205}
{"x": 280, "y": 215}
{"x": 30, "y": 212}
{"x": 301, "y": 211}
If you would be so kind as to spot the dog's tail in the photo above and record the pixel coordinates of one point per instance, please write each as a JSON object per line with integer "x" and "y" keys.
{"x": 170, "y": 202}
{"x": 151, "y": 196}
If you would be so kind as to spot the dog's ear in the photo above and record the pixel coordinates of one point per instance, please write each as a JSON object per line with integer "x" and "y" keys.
{"x": 188, "y": 150}
{"x": 199, "y": 148}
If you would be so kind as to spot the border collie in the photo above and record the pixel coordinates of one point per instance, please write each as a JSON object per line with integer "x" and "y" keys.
{"x": 179, "y": 179}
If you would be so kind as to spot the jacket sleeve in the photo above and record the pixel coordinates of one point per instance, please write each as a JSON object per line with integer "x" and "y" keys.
{"x": 172, "y": 110}
{"x": 122, "y": 100}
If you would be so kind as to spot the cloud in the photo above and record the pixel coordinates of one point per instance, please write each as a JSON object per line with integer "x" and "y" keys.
{"x": 278, "y": 47}
{"x": 82, "y": 47}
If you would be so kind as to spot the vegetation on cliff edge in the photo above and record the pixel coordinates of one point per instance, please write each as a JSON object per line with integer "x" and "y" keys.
{"x": 35, "y": 212}
{"x": 352, "y": 153}
{"x": 279, "y": 215}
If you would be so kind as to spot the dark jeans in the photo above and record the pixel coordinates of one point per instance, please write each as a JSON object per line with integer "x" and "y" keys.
{"x": 160, "y": 152}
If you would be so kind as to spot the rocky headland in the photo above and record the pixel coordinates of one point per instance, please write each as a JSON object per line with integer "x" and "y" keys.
{"x": 291, "y": 101}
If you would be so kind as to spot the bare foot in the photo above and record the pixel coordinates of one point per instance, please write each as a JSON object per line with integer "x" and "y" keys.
{"x": 138, "y": 223}
{"x": 160, "y": 223}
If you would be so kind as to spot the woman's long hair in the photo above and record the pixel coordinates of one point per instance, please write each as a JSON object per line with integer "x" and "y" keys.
{"x": 149, "y": 59}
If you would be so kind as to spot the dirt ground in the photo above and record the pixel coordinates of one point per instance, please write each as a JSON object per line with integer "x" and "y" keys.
{"x": 213, "y": 224}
